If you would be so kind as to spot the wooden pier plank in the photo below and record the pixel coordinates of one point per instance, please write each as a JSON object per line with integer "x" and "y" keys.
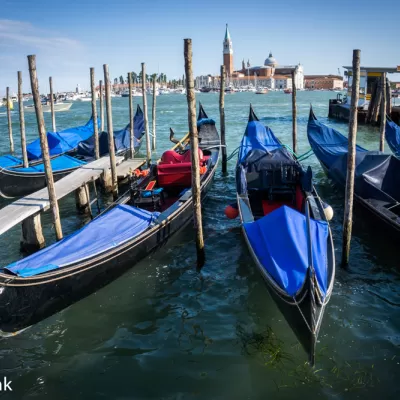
{"x": 34, "y": 203}
{"x": 128, "y": 165}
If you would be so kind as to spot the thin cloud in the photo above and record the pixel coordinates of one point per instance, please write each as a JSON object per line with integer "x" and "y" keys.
{"x": 26, "y": 34}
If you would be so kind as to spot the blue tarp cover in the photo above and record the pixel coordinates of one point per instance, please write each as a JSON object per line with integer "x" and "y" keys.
{"x": 393, "y": 137}
{"x": 9, "y": 161}
{"x": 327, "y": 143}
{"x": 105, "y": 232}
{"x": 61, "y": 142}
{"x": 257, "y": 137}
{"x": 279, "y": 240}
{"x": 57, "y": 164}
{"x": 205, "y": 121}
{"x": 121, "y": 138}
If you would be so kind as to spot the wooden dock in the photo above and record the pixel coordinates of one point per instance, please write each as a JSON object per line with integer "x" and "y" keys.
{"x": 37, "y": 202}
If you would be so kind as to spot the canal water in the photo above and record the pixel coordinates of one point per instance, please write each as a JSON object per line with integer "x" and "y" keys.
{"x": 166, "y": 331}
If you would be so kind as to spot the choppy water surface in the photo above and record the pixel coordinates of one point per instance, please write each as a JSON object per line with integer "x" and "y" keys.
{"x": 165, "y": 331}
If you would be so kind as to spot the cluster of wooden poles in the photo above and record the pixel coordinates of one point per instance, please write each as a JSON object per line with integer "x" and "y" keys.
{"x": 193, "y": 135}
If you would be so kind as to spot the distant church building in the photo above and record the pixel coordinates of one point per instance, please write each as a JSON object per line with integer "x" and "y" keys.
{"x": 271, "y": 74}
{"x": 228, "y": 53}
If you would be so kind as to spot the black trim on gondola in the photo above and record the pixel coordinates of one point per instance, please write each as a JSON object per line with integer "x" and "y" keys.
{"x": 252, "y": 115}
{"x": 202, "y": 113}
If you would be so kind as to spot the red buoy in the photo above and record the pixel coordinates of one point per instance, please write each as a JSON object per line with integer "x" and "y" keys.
{"x": 231, "y": 211}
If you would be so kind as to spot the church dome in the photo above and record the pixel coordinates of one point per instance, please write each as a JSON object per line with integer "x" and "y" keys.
{"x": 270, "y": 61}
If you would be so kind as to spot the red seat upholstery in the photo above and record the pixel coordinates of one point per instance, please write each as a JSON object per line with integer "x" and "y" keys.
{"x": 172, "y": 157}
{"x": 174, "y": 169}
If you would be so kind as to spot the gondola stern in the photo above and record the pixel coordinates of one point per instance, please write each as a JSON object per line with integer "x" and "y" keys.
{"x": 202, "y": 113}
{"x": 252, "y": 114}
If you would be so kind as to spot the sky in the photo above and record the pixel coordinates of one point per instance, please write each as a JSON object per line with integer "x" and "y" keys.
{"x": 69, "y": 37}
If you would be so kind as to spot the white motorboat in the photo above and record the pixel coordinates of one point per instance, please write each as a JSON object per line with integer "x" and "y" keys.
{"x": 47, "y": 108}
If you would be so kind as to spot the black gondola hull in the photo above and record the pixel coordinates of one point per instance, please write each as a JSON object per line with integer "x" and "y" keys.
{"x": 18, "y": 184}
{"x": 21, "y": 307}
{"x": 381, "y": 216}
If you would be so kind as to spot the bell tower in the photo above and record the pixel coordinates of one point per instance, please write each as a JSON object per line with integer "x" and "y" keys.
{"x": 228, "y": 52}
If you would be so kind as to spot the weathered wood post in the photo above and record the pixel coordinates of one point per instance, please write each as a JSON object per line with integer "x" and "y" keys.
{"x": 383, "y": 114}
{"x": 222, "y": 119}
{"x": 110, "y": 130}
{"x": 22, "y": 121}
{"x": 45, "y": 147}
{"x": 94, "y": 115}
{"x": 131, "y": 118}
{"x": 388, "y": 98}
{"x": 10, "y": 135}
{"x": 153, "y": 114}
{"x": 101, "y": 106}
{"x": 53, "y": 116}
{"x": 351, "y": 158}
{"x": 294, "y": 111}
{"x": 82, "y": 199}
{"x": 377, "y": 104}
{"x": 194, "y": 148}
{"x": 146, "y": 120}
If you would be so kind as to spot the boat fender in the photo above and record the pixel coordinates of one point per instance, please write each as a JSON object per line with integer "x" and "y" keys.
{"x": 328, "y": 211}
{"x": 231, "y": 211}
{"x": 138, "y": 172}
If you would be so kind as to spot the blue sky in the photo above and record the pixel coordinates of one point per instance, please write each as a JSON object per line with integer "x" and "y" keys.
{"x": 69, "y": 37}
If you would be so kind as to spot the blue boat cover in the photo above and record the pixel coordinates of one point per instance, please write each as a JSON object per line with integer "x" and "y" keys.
{"x": 61, "y": 142}
{"x": 104, "y": 233}
{"x": 393, "y": 137}
{"x": 8, "y": 160}
{"x": 257, "y": 137}
{"x": 121, "y": 138}
{"x": 376, "y": 173}
{"x": 326, "y": 142}
{"x": 283, "y": 252}
{"x": 205, "y": 121}
{"x": 260, "y": 150}
{"x": 57, "y": 164}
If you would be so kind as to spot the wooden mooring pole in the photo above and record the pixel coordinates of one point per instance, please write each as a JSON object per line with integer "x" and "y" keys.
{"x": 194, "y": 148}
{"x": 45, "y": 147}
{"x": 94, "y": 115}
{"x": 22, "y": 121}
{"x": 146, "y": 120}
{"x": 351, "y": 158}
{"x": 53, "y": 116}
{"x": 10, "y": 135}
{"x": 383, "y": 114}
{"x": 294, "y": 111}
{"x": 113, "y": 187}
{"x": 222, "y": 119}
{"x": 153, "y": 115}
{"x": 131, "y": 118}
{"x": 101, "y": 106}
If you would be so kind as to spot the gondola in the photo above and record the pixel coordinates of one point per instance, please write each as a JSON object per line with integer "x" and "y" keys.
{"x": 286, "y": 230}
{"x": 19, "y": 181}
{"x": 63, "y": 142}
{"x": 157, "y": 205}
{"x": 377, "y": 178}
{"x": 392, "y": 134}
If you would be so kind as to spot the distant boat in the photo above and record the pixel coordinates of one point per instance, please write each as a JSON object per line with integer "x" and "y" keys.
{"x": 47, "y": 108}
{"x": 84, "y": 98}
{"x": 262, "y": 91}
{"x": 287, "y": 91}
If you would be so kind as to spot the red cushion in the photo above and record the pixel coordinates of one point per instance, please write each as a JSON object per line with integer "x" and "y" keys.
{"x": 174, "y": 174}
{"x": 172, "y": 157}
{"x": 187, "y": 156}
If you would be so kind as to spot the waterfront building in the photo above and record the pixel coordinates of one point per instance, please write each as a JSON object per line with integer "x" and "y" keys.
{"x": 327, "y": 82}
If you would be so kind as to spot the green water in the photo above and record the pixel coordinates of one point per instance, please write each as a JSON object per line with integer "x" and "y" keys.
{"x": 165, "y": 331}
